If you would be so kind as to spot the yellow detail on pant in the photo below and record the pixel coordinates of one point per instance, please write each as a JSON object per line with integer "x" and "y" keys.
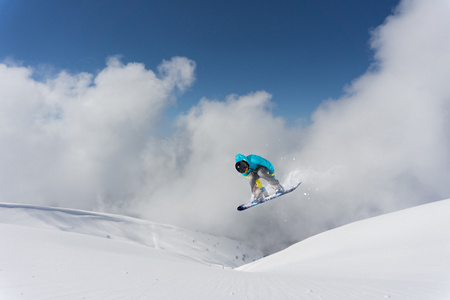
{"x": 259, "y": 184}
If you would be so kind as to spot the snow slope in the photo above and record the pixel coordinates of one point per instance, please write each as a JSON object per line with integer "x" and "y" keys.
{"x": 402, "y": 255}
{"x": 52, "y": 253}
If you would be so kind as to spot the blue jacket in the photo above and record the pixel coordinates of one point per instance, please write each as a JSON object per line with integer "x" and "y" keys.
{"x": 254, "y": 161}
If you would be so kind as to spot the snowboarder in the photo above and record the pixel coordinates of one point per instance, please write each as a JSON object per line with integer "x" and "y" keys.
{"x": 255, "y": 167}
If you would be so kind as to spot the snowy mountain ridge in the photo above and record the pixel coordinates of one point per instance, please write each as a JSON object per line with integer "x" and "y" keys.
{"x": 202, "y": 247}
{"x": 53, "y": 253}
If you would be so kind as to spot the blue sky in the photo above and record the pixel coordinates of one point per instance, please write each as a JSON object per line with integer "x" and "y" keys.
{"x": 301, "y": 52}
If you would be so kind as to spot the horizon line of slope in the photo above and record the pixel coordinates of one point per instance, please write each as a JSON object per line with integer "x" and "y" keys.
{"x": 202, "y": 247}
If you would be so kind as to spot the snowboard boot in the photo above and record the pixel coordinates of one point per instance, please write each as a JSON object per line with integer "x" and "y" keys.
{"x": 258, "y": 196}
{"x": 280, "y": 191}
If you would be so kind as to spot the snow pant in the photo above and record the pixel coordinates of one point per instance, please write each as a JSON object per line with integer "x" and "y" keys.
{"x": 256, "y": 185}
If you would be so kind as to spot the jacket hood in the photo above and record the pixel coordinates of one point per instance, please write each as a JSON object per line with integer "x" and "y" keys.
{"x": 240, "y": 157}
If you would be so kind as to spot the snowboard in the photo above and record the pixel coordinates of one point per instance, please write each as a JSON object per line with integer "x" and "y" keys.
{"x": 271, "y": 197}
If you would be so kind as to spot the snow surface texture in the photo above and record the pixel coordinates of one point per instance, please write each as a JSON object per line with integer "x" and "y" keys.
{"x": 53, "y": 253}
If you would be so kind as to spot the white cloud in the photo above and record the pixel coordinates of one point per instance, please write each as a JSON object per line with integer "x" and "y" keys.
{"x": 92, "y": 142}
{"x": 386, "y": 140}
{"x": 383, "y": 146}
{"x": 178, "y": 72}
{"x": 74, "y": 138}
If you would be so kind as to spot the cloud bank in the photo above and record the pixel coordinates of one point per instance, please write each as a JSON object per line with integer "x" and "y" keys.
{"x": 94, "y": 141}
